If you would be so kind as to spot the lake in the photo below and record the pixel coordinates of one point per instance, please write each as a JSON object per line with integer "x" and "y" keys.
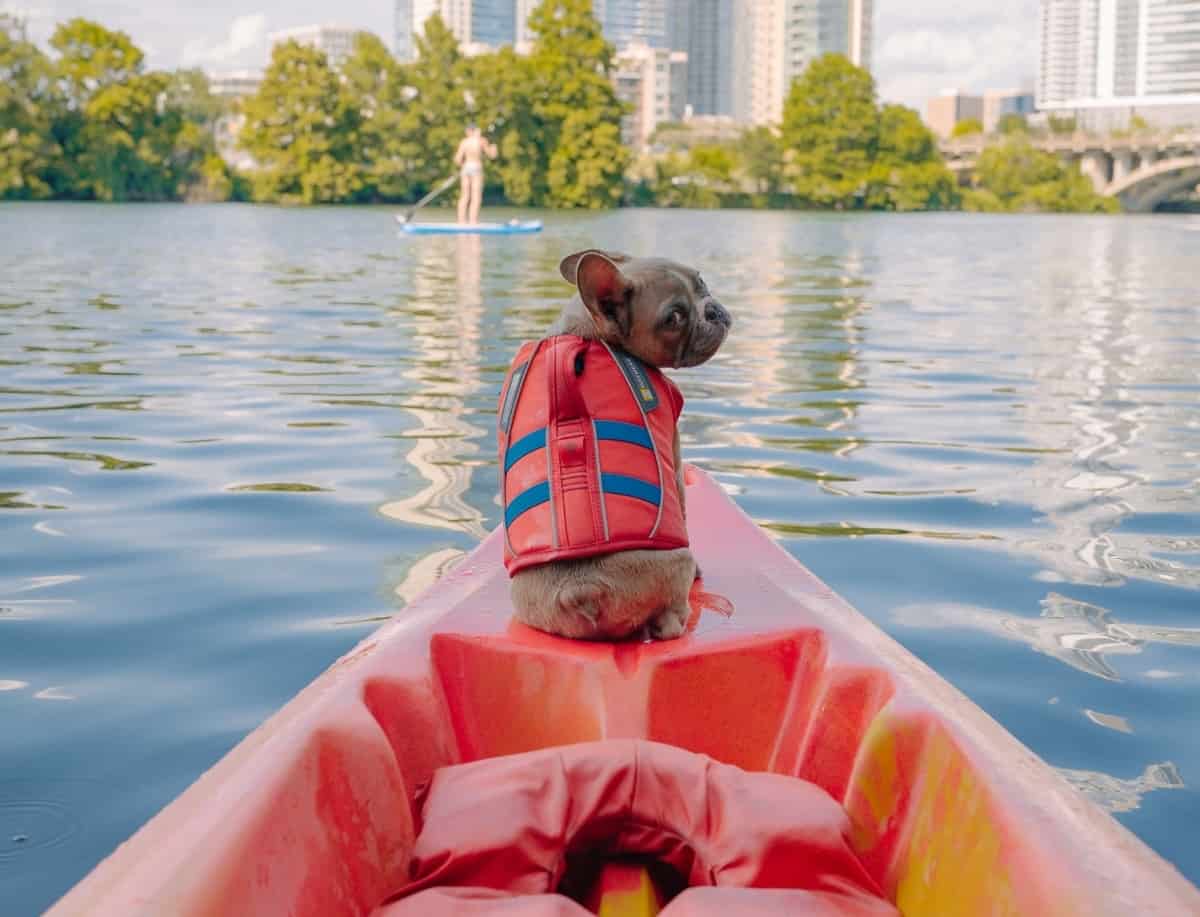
{"x": 234, "y": 439}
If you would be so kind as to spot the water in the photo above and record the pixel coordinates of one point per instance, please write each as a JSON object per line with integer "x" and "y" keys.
{"x": 234, "y": 439}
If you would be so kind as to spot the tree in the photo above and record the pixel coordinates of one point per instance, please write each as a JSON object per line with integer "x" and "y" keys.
{"x": 830, "y": 132}
{"x": 302, "y": 131}
{"x": 1012, "y": 123}
{"x": 1061, "y": 124}
{"x": 967, "y": 127}
{"x": 29, "y": 104}
{"x": 502, "y": 89}
{"x": 432, "y": 124}
{"x": 374, "y": 85}
{"x": 126, "y": 134}
{"x": 908, "y": 172}
{"x": 1016, "y": 176}
{"x": 761, "y": 158}
{"x": 575, "y": 106}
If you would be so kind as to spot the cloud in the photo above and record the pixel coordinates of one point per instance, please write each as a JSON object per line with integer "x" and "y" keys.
{"x": 926, "y": 46}
{"x": 245, "y": 32}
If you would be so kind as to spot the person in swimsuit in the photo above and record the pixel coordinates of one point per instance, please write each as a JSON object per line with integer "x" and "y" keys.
{"x": 469, "y": 158}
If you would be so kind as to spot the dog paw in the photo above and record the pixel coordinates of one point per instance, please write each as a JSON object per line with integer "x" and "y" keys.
{"x": 669, "y": 624}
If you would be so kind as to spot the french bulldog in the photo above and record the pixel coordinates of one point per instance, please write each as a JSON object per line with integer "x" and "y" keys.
{"x": 660, "y": 312}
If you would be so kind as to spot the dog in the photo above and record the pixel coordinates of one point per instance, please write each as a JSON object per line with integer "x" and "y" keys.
{"x": 592, "y": 479}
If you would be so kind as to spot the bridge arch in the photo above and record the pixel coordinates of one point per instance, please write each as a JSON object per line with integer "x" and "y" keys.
{"x": 1144, "y": 189}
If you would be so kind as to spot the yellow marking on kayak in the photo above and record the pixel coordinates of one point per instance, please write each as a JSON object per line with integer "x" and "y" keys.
{"x": 952, "y": 862}
{"x": 627, "y": 890}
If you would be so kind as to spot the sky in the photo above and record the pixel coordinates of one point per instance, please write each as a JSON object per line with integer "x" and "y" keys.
{"x": 921, "y": 46}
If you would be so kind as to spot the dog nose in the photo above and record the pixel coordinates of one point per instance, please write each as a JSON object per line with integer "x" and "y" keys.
{"x": 715, "y": 312}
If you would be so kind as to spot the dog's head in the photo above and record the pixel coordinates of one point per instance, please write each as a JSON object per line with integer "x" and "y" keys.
{"x": 658, "y": 310}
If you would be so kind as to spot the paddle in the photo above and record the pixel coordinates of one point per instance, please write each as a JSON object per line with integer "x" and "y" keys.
{"x": 408, "y": 214}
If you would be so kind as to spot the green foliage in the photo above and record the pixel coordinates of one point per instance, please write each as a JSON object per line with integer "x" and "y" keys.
{"x": 504, "y": 110}
{"x": 431, "y": 126}
{"x": 1012, "y": 123}
{"x": 761, "y": 156}
{"x": 1015, "y": 176}
{"x": 387, "y": 144}
{"x": 843, "y": 151}
{"x": 908, "y": 172}
{"x": 125, "y": 134}
{"x": 675, "y": 185}
{"x": 29, "y": 105}
{"x": 830, "y": 130}
{"x": 301, "y": 130}
{"x": 967, "y": 127}
{"x": 1061, "y": 124}
{"x": 574, "y": 108}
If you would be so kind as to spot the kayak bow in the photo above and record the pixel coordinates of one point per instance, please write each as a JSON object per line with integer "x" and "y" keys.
{"x": 313, "y": 813}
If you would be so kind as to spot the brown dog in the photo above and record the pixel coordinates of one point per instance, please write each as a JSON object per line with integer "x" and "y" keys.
{"x": 662, "y": 313}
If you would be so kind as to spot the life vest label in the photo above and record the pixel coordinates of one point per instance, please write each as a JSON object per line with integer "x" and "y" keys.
{"x": 633, "y": 370}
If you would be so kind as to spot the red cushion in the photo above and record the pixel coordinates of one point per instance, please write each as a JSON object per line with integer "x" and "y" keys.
{"x": 762, "y": 902}
{"x": 481, "y": 902}
{"x": 512, "y": 823}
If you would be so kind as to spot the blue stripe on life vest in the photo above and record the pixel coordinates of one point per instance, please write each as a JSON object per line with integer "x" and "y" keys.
{"x": 622, "y": 432}
{"x": 530, "y": 442}
{"x": 630, "y": 487}
{"x": 527, "y": 500}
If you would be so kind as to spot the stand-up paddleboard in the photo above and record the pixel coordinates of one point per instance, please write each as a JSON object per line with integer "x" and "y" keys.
{"x": 512, "y": 227}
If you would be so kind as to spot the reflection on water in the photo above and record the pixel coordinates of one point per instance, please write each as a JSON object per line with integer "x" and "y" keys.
{"x": 446, "y": 331}
{"x": 1079, "y": 634}
{"x": 1118, "y": 795}
{"x": 234, "y": 439}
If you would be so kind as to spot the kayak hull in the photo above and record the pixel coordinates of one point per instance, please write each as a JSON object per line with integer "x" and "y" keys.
{"x": 511, "y": 228}
{"x": 313, "y": 813}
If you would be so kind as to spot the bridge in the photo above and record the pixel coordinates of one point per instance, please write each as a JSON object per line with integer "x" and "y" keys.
{"x": 1142, "y": 170}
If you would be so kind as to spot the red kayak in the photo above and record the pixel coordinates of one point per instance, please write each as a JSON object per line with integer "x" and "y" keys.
{"x": 787, "y": 759}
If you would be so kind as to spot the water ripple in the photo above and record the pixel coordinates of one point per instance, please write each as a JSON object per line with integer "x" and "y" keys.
{"x": 234, "y": 439}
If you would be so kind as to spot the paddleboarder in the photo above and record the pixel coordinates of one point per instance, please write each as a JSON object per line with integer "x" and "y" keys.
{"x": 469, "y": 159}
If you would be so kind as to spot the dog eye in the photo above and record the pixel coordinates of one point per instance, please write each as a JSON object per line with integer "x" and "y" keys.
{"x": 675, "y": 317}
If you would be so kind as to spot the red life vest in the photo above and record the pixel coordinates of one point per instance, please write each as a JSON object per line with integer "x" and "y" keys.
{"x": 587, "y": 457}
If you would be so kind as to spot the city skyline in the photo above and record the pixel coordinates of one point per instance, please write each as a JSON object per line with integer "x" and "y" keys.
{"x": 920, "y": 47}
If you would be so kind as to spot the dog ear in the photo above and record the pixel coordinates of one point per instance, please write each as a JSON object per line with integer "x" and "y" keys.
{"x": 569, "y": 266}
{"x": 605, "y": 292}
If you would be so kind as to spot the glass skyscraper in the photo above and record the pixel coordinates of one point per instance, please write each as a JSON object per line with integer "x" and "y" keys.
{"x": 493, "y": 22}
{"x": 627, "y": 22}
{"x": 704, "y": 30}
{"x": 473, "y": 22}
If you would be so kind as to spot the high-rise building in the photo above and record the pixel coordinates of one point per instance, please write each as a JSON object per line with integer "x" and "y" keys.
{"x": 758, "y": 60}
{"x": 335, "y": 41}
{"x": 493, "y": 22}
{"x": 235, "y": 84}
{"x": 629, "y": 22}
{"x": 524, "y": 37}
{"x": 704, "y": 30}
{"x": 624, "y": 22}
{"x": 1119, "y": 54}
{"x": 774, "y": 41}
{"x": 1000, "y": 102}
{"x": 653, "y": 81}
{"x": 475, "y": 23}
{"x": 944, "y": 112}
